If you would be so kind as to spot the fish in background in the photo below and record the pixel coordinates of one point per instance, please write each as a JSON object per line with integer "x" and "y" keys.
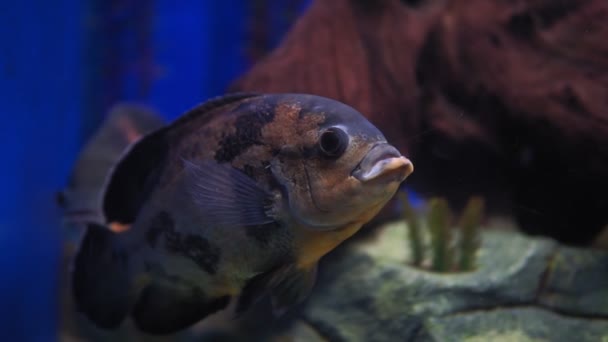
{"x": 235, "y": 201}
{"x": 80, "y": 201}
{"x": 124, "y": 124}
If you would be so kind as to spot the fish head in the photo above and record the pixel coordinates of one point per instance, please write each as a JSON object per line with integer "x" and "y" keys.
{"x": 336, "y": 168}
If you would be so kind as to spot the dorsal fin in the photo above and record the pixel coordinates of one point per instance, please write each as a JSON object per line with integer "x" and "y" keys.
{"x": 212, "y": 104}
{"x": 132, "y": 179}
{"x": 139, "y": 169}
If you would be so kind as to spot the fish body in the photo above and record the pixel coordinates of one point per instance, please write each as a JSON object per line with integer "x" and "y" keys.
{"x": 239, "y": 198}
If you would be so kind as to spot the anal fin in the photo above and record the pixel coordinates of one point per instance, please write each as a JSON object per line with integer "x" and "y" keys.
{"x": 163, "y": 309}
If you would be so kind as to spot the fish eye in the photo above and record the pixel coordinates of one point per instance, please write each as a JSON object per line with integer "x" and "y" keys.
{"x": 333, "y": 142}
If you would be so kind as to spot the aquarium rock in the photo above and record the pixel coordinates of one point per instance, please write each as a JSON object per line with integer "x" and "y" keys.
{"x": 525, "y": 289}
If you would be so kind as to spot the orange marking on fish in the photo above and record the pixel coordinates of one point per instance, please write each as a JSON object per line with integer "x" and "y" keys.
{"x": 288, "y": 126}
{"x": 126, "y": 127}
{"x": 119, "y": 227}
{"x": 313, "y": 244}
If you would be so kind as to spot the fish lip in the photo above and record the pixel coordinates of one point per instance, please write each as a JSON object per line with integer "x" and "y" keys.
{"x": 383, "y": 159}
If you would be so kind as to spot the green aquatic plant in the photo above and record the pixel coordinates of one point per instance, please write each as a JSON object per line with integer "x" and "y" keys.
{"x": 450, "y": 249}
{"x": 469, "y": 224}
{"x": 414, "y": 232}
{"x": 438, "y": 219}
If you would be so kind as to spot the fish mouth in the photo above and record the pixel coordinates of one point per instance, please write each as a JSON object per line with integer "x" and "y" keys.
{"x": 383, "y": 160}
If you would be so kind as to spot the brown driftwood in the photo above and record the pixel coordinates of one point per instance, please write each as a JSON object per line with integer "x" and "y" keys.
{"x": 360, "y": 52}
{"x": 504, "y": 98}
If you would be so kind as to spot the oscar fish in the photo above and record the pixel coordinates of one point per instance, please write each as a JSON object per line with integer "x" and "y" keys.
{"x": 238, "y": 199}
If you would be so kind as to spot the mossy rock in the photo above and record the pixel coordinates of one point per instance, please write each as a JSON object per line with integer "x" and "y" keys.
{"x": 512, "y": 325}
{"x": 524, "y": 289}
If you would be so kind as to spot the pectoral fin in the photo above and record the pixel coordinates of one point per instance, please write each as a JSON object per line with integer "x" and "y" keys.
{"x": 293, "y": 290}
{"x": 287, "y": 286}
{"x": 226, "y": 196}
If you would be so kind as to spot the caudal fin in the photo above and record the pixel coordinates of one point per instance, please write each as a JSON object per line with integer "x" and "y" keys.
{"x": 101, "y": 280}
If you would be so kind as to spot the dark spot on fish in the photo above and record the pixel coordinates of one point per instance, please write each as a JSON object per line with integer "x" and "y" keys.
{"x": 172, "y": 241}
{"x": 134, "y": 178}
{"x": 248, "y": 133}
{"x": 202, "y": 252}
{"x": 161, "y": 223}
{"x": 194, "y": 247}
{"x": 249, "y": 170}
{"x": 275, "y": 152}
{"x": 164, "y": 310}
{"x": 309, "y": 152}
{"x": 264, "y": 233}
{"x": 157, "y": 270}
